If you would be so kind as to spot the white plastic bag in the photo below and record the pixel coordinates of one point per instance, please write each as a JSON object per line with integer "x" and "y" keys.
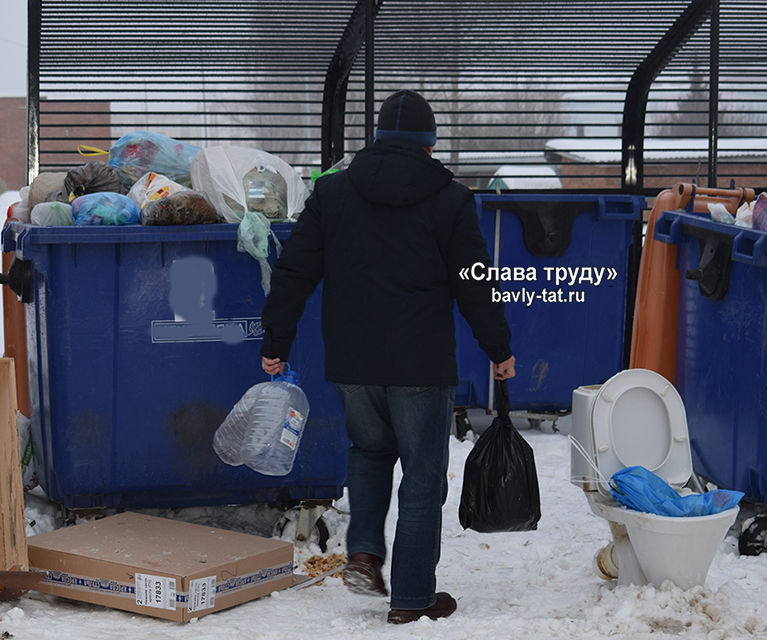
{"x": 20, "y": 210}
{"x": 720, "y": 213}
{"x": 745, "y": 215}
{"x": 220, "y": 172}
{"x": 52, "y": 214}
{"x": 153, "y": 186}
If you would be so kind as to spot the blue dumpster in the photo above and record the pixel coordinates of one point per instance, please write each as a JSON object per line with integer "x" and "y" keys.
{"x": 126, "y": 390}
{"x": 563, "y": 261}
{"x": 722, "y": 347}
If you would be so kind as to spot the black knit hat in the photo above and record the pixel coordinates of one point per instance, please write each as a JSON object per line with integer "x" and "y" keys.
{"x": 406, "y": 115}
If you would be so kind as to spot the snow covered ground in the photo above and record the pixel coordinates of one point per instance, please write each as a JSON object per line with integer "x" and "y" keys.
{"x": 539, "y": 584}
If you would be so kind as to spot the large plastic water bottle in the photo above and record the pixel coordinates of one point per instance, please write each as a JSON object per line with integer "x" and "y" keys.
{"x": 264, "y": 429}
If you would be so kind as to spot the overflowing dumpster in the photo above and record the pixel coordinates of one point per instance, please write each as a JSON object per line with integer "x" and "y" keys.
{"x": 140, "y": 340}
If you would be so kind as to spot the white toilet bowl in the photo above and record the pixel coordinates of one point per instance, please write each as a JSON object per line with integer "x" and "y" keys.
{"x": 657, "y": 548}
{"x": 638, "y": 418}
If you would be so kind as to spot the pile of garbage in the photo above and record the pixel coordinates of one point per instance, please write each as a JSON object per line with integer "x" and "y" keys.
{"x": 152, "y": 179}
{"x": 752, "y": 215}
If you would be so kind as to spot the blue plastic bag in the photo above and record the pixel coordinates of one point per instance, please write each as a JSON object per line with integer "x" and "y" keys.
{"x": 105, "y": 207}
{"x": 642, "y": 490}
{"x": 139, "y": 152}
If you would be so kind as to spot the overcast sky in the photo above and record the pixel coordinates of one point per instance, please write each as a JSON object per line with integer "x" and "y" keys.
{"x": 13, "y": 48}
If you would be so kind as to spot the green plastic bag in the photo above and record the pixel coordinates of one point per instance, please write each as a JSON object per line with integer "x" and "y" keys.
{"x": 253, "y": 238}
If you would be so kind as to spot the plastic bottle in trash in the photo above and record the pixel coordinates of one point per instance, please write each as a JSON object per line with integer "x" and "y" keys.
{"x": 267, "y": 192}
{"x": 264, "y": 429}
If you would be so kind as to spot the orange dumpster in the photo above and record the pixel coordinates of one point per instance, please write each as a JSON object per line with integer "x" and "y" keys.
{"x": 654, "y": 332}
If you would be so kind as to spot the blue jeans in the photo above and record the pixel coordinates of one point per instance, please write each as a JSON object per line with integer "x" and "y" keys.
{"x": 411, "y": 424}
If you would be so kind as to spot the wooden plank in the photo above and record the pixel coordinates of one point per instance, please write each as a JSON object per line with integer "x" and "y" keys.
{"x": 13, "y": 540}
{"x": 16, "y": 338}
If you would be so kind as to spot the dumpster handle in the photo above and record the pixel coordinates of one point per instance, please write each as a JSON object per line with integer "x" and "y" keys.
{"x": 668, "y": 229}
{"x": 731, "y": 198}
{"x": 750, "y": 248}
{"x": 19, "y": 279}
{"x": 601, "y": 207}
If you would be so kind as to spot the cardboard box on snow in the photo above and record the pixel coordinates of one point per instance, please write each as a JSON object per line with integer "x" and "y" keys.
{"x": 159, "y": 567}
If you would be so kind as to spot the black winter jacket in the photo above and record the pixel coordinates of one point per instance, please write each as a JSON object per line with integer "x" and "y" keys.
{"x": 389, "y": 236}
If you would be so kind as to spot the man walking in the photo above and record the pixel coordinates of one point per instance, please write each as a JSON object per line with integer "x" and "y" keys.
{"x": 389, "y": 235}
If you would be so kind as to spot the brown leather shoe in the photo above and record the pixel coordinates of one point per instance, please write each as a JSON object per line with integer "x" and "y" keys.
{"x": 442, "y": 608}
{"x": 362, "y": 575}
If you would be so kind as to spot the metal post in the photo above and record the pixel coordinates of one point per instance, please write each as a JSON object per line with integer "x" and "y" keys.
{"x": 337, "y": 81}
{"x": 370, "y": 18}
{"x": 34, "y": 21}
{"x": 635, "y": 105}
{"x": 713, "y": 97}
{"x": 632, "y": 134}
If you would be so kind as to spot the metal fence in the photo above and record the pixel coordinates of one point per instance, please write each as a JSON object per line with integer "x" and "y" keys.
{"x": 604, "y": 95}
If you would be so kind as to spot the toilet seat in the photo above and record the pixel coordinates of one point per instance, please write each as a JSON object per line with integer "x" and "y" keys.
{"x": 638, "y": 418}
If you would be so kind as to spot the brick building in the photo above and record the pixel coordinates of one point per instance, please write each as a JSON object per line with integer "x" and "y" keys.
{"x": 89, "y": 123}
{"x": 593, "y": 163}
{"x": 13, "y": 135}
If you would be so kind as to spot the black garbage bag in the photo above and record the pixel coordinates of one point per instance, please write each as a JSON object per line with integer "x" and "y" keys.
{"x": 500, "y": 484}
{"x": 92, "y": 177}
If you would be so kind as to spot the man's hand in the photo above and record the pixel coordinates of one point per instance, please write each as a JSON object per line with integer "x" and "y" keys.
{"x": 505, "y": 369}
{"x": 272, "y": 366}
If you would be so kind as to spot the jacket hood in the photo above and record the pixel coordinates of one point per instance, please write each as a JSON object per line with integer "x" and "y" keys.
{"x": 397, "y": 173}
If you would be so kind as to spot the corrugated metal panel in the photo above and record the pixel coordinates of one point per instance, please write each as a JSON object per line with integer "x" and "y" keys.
{"x": 530, "y": 85}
